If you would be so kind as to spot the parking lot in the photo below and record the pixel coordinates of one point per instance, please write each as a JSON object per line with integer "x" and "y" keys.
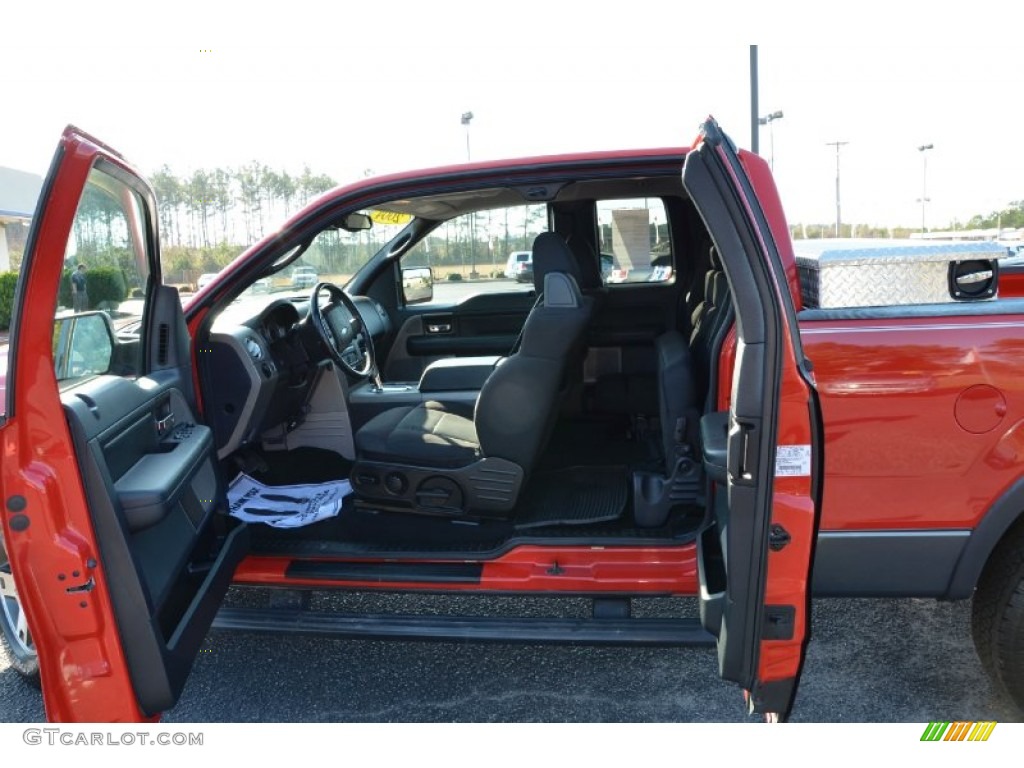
{"x": 869, "y": 661}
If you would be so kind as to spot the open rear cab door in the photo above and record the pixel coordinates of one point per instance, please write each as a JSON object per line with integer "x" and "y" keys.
{"x": 111, "y": 498}
{"x": 754, "y": 552}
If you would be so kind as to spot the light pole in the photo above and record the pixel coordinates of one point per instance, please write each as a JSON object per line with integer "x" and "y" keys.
{"x": 923, "y": 149}
{"x": 753, "y": 102}
{"x": 768, "y": 120}
{"x": 466, "y": 117}
{"x": 839, "y": 219}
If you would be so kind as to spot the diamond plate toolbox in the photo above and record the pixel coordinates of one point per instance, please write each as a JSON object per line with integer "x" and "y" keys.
{"x": 882, "y": 273}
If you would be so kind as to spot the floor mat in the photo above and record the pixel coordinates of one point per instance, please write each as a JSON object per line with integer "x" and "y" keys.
{"x": 301, "y": 465}
{"x": 597, "y": 442}
{"x": 573, "y": 496}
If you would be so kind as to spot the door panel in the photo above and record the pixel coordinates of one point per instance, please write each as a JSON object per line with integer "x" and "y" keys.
{"x": 754, "y": 552}
{"x": 153, "y": 496}
{"x": 482, "y": 324}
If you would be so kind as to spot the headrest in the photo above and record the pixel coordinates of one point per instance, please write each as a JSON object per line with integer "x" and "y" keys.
{"x": 719, "y": 290}
{"x": 551, "y": 254}
{"x": 716, "y": 261}
{"x": 560, "y": 290}
{"x": 709, "y": 283}
{"x": 587, "y": 263}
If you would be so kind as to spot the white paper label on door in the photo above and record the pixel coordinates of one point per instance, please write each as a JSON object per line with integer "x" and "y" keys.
{"x": 793, "y": 461}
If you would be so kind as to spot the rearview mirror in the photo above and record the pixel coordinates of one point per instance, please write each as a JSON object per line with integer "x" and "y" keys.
{"x": 356, "y": 222}
{"x": 417, "y": 284}
{"x": 83, "y": 345}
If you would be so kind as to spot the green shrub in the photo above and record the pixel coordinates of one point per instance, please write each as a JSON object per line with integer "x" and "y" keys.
{"x": 454, "y": 276}
{"x": 64, "y": 292}
{"x": 104, "y": 284}
{"x": 8, "y": 282}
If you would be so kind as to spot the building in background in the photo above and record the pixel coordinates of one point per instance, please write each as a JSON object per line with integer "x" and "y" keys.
{"x": 18, "y": 194}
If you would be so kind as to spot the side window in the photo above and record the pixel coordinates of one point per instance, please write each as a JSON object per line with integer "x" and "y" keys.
{"x": 636, "y": 246}
{"x": 102, "y": 293}
{"x": 483, "y": 251}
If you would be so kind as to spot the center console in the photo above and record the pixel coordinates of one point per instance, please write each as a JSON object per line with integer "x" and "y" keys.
{"x": 455, "y": 382}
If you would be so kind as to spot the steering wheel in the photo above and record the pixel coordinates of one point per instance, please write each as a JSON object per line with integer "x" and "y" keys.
{"x": 342, "y": 330}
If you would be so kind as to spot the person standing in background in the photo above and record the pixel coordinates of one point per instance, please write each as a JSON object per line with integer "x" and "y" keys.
{"x": 78, "y": 293}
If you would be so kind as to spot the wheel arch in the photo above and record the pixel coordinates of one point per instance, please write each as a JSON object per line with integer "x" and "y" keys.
{"x": 994, "y": 527}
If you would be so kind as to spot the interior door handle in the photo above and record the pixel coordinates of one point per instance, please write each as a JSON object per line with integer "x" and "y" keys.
{"x": 163, "y": 415}
{"x": 164, "y": 424}
{"x": 439, "y": 327}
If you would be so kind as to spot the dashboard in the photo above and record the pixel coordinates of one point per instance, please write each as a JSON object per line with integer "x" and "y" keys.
{"x": 262, "y": 364}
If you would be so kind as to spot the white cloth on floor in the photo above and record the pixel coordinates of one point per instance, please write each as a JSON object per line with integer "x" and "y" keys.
{"x": 285, "y": 506}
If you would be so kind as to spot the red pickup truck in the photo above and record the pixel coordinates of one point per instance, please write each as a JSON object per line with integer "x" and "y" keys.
{"x": 727, "y": 421}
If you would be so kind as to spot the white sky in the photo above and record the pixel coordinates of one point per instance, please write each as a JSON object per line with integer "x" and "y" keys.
{"x": 347, "y": 88}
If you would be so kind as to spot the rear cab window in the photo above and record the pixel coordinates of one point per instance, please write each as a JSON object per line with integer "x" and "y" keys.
{"x": 635, "y": 242}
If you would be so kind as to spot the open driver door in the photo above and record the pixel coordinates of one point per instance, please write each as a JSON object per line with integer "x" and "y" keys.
{"x": 113, "y": 505}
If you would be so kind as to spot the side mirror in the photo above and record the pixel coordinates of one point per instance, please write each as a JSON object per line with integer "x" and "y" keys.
{"x": 417, "y": 284}
{"x": 83, "y": 345}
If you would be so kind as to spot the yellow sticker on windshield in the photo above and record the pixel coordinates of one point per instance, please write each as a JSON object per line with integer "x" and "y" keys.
{"x": 390, "y": 217}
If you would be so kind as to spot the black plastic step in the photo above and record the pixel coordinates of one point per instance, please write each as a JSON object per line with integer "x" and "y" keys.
{"x": 627, "y": 631}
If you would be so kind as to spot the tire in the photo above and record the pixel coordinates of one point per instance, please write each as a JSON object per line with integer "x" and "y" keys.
{"x": 997, "y": 616}
{"x": 17, "y": 642}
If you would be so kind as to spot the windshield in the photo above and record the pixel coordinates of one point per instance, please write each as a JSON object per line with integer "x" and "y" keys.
{"x": 334, "y": 256}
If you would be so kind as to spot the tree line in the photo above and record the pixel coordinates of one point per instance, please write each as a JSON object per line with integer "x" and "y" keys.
{"x": 230, "y": 205}
{"x": 209, "y": 216}
{"x": 1011, "y": 217}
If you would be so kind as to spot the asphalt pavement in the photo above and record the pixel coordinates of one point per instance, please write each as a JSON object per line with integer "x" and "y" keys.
{"x": 869, "y": 661}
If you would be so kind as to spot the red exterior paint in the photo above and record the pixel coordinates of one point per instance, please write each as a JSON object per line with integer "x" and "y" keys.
{"x": 896, "y": 456}
{"x": 1011, "y": 282}
{"x": 84, "y": 674}
{"x": 889, "y": 393}
{"x": 768, "y": 198}
{"x": 626, "y": 570}
{"x": 726, "y": 363}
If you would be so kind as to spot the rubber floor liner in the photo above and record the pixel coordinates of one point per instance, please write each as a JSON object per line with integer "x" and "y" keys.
{"x": 573, "y": 496}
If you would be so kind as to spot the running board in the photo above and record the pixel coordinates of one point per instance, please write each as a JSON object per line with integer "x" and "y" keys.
{"x": 624, "y": 631}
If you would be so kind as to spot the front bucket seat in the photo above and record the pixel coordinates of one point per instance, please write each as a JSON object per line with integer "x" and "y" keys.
{"x": 432, "y": 460}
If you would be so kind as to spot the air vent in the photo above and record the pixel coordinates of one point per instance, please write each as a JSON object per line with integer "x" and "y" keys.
{"x": 254, "y": 349}
{"x": 163, "y": 343}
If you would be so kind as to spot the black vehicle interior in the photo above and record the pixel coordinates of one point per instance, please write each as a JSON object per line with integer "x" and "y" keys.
{"x": 568, "y": 414}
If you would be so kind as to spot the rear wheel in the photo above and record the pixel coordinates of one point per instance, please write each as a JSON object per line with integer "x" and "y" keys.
{"x": 997, "y": 616}
{"x": 14, "y": 627}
